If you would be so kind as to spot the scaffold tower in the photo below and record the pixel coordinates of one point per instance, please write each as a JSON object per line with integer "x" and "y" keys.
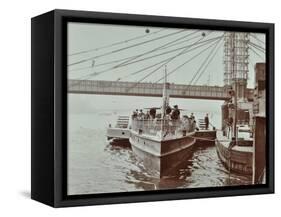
{"x": 236, "y": 60}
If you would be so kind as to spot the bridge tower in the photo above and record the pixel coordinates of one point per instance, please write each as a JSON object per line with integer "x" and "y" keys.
{"x": 236, "y": 60}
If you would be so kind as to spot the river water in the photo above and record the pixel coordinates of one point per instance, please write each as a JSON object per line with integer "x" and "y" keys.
{"x": 94, "y": 166}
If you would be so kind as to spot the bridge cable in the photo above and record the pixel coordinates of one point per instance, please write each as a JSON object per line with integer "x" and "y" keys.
{"x": 139, "y": 55}
{"x": 159, "y": 48}
{"x": 261, "y": 49}
{"x": 257, "y": 54}
{"x": 156, "y": 55}
{"x": 181, "y": 65}
{"x": 124, "y": 48}
{"x": 189, "y": 60}
{"x": 117, "y": 43}
{"x": 209, "y": 61}
{"x": 188, "y": 46}
{"x": 149, "y": 57}
{"x": 255, "y": 37}
{"x": 99, "y": 64}
{"x": 112, "y": 68}
{"x": 165, "y": 63}
{"x": 199, "y": 70}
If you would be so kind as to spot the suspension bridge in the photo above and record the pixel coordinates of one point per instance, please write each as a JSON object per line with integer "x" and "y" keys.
{"x": 154, "y": 50}
{"x": 150, "y": 89}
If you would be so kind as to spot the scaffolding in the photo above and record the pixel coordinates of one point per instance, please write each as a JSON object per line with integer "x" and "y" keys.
{"x": 236, "y": 58}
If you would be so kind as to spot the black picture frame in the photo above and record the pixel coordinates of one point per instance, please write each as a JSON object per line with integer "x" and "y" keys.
{"x": 49, "y": 107}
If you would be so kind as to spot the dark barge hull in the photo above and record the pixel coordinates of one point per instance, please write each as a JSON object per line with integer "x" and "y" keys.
{"x": 162, "y": 158}
{"x": 120, "y": 142}
{"x": 205, "y": 137}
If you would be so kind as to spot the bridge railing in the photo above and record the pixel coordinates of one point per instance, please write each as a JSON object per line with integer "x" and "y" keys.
{"x": 145, "y": 89}
{"x": 106, "y": 84}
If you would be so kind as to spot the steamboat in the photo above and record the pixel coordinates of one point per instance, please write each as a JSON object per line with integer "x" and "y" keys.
{"x": 241, "y": 143}
{"x": 162, "y": 141}
{"x": 119, "y": 134}
{"x": 235, "y": 146}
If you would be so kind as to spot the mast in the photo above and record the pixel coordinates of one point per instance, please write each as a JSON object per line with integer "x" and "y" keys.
{"x": 165, "y": 101}
{"x": 165, "y": 91}
{"x": 234, "y": 76}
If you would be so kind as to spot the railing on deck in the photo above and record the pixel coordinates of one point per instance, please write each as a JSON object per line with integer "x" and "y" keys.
{"x": 154, "y": 127}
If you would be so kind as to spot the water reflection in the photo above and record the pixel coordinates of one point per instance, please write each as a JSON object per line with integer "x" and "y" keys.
{"x": 94, "y": 166}
{"x": 203, "y": 169}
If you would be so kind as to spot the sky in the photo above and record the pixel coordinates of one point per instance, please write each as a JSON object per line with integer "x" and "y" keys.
{"x": 84, "y": 37}
{"x": 96, "y": 50}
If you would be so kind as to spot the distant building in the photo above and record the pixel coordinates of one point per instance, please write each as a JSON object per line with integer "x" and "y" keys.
{"x": 260, "y": 90}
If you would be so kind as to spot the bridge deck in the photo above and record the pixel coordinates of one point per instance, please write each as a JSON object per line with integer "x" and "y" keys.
{"x": 146, "y": 89}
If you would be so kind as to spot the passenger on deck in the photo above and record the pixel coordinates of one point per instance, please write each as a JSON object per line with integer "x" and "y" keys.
{"x": 185, "y": 124}
{"x": 147, "y": 115}
{"x": 195, "y": 127}
{"x": 206, "y": 119}
{"x": 175, "y": 113}
{"x": 141, "y": 115}
{"x": 152, "y": 113}
{"x": 192, "y": 116}
{"x": 175, "y": 116}
{"x": 230, "y": 123}
{"x": 135, "y": 114}
{"x": 168, "y": 110}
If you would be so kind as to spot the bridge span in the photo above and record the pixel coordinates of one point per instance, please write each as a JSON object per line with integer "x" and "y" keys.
{"x": 147, "y": 89}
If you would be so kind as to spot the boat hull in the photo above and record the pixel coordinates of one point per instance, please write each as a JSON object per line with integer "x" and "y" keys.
{"x": 162, "y": 157}
{"x": 121, "y": 133}
{"x": 120, "y": 142}
{"x": 205, "y": 137}
{"x": 235, "y": 160}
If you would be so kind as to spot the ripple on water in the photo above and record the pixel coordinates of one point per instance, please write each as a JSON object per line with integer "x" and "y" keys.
{"x": 94, "y": 166}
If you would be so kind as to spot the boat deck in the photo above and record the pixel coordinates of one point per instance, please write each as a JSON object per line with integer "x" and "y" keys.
{"x": 158, "y": 138}
{"x": 225, "y": 142}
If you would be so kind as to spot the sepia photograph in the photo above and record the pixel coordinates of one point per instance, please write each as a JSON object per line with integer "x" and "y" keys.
{"x": 156, "y": 108}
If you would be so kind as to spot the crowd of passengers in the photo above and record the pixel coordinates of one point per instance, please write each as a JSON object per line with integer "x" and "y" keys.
{"x": 171, "y": 114}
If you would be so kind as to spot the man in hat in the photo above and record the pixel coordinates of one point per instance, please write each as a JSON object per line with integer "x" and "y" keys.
{"x": 174, "y": 116}
{"x": 192, "y": 116}
{"x": 176, "y": 113}
{"x": 141, "y": 115}
{"x": 206, "y": 119}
